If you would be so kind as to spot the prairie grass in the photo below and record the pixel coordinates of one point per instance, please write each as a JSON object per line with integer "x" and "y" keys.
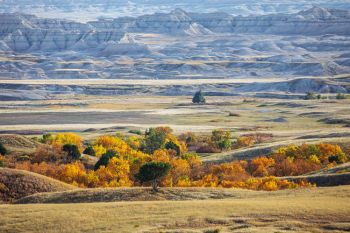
{"x": 308, "y": 210}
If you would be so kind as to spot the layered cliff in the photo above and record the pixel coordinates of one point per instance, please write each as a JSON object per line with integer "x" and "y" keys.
{"x": 22, "y": 32}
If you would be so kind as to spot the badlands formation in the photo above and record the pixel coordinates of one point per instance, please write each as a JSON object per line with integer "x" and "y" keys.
{"x": 295, "y": 52}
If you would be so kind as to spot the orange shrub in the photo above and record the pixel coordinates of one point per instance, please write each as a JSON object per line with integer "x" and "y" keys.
{"x": 261, "y": 165}
{"x": 47, "y": 153}
{"x": 233, "y": 171}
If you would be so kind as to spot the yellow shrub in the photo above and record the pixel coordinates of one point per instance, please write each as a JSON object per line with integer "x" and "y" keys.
{"x": 61, "y": 139}
{"x": 314, "y": 159}
{"x": 184, "y": 182}
{"x": 270, "y": 185}
{"x": 99, "y": 150}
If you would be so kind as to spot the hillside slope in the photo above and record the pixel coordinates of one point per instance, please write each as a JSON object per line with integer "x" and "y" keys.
{"x": 15, "y": 142}
{"x": 165, "y": 194}
{"x": 15, "y": 184}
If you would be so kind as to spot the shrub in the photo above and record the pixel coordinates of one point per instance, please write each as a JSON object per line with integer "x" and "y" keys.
{"x": 89, "y": 151}
{"x": 222, "y": 139}
{"x": 207, "y": 148}
{"x": 245, "y": 141}
{"x": 212, "y": 231}
{"x": 153, "y": 172}
{"x": 104, "y": 159}
{"x": 154, "y": 140}
{"x": 339, "y": 158}
{"x": 198, "y": 98}
{"x": 47, "y": 138}
{"x": 260, "y": 166}
{"x": 134, "y": 142}
{"x": 3, "y": 150}
{"x": 47, "y": 153}
{"x": 72, "y": 151}
{"x": 225, "y": 144}
{"x": 110, "y": 142}
{"x": 172, "y": 146}
{"x": 234, "y": 114}
{"x": 99, "y": 150}
{"x": 189, "y": 137}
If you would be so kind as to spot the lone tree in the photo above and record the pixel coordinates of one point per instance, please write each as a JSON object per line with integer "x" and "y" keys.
{"x": 72, "y": 151}
{"x": 198, "y": 98}
{"x": 3, "y": 150}
{"x": 153, "y": 172}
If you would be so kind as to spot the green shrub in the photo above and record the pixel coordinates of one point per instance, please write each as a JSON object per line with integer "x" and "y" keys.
{"x": 72, "y": 151}
{"x": 173, "y": 146}
{"x": 104, "y": 159}
{"x": 89, "y": 151}
{"x": 3, "y": 150}
{"x": 47, "y": 138}
{"x": 339, "y": 158}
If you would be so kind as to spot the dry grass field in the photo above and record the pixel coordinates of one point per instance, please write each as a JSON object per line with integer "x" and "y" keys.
{"x": 305, "y": 210}
{"x": 284, "y": 118}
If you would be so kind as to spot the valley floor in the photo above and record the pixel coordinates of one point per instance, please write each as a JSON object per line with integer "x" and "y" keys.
{"x": 305, "y": 210}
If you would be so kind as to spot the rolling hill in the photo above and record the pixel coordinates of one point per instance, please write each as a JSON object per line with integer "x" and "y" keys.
{"x": 15, "y": 184}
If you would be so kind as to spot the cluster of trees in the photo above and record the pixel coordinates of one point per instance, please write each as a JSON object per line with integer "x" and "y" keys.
{"x": 221, "y": 140}
{"x": 160, "y": 158}
{"x": 341, "y": 96}
{"x": 314, "y": 96}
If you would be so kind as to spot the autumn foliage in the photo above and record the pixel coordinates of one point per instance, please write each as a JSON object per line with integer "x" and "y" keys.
{"x": 121, "y": 157}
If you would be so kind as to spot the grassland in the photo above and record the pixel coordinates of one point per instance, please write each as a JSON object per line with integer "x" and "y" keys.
{"x": 283, "y": 117}
{"x": 306, "y": 210}
{"x": 288, "y": 120}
